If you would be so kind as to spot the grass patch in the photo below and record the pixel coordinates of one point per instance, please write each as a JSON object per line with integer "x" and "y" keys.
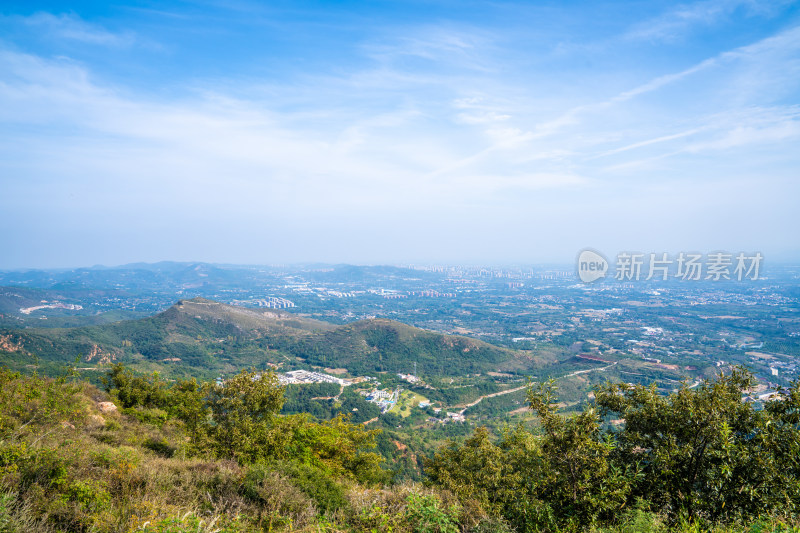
{"x": 407, "y": 401}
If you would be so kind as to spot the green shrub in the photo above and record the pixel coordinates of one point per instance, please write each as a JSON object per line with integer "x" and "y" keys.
{"x": 159, "y": 446}
{"x": 425, "y": 514}
{"x": 11, "y": 456}
{"x": 44, "y": 467}
{"x": 132, "y": 390}
{"x": 154, "y": 417}
{"x": 637, "y": 520}
{"x": 700, "y": 456}
{"x": 316, "y": 483}
{"x": 279, "y": 500}
{"x": 91, "y": 495}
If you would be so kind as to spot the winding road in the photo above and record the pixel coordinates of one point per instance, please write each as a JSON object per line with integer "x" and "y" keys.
{"x": 509, "y": 391}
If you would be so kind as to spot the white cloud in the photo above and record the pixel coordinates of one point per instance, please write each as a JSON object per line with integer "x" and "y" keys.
{"x": 464, "y": 143}
{"x": 184, "y": 147}
{"x": 464, "y": 47}
{"x": 72, "y": 27}
{"x": 683, "y": 18}
{"x": 741, "y": 135}
{"x": 649, "y": 142}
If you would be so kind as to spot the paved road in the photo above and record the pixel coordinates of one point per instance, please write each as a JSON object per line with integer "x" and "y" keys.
{"x": 509, "y": 391}
{"x": 479, "y": 400}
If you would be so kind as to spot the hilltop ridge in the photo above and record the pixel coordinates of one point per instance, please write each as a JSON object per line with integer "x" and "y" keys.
{"x": 203, "y": 337}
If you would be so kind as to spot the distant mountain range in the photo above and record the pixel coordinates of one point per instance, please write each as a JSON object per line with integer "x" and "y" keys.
{"x": 101, "y": 295}
{"x": 168, "y": 274}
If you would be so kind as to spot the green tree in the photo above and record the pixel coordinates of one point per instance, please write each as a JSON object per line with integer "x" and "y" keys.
{"x": 135, "y": 390}
{"x": 34, "y": 405}
{"x": 564, "y": 478}
{"x": 242, "y": 410}
{"x": 493, "y": 474}
{"x": 187, "y": 403}
{"x": 336, "y": 445}
{"x": 578, "y": 480}
{"x": 704, "y": 452}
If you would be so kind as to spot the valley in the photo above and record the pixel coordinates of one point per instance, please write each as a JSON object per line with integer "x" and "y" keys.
{"x": 472, "y": 339}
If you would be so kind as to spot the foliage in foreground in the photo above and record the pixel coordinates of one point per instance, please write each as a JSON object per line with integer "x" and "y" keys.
{"x": 195, "y": 457}
{"x": 698, "y": 457}
{"x": 190, "y": 457}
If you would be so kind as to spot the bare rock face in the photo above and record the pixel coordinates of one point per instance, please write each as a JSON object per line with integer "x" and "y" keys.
{"x": 106, "y": 407}
{"x": 7, "y": 344}
{"x": 104, "y": 357}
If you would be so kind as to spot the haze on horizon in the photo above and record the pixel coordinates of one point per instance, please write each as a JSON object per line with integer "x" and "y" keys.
{"x": 396, "y": 132}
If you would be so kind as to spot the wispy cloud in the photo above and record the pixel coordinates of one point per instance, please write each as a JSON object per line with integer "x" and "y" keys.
{"x": 442, "y": 46}
{"x": 736, "y": 85}
{"x": 682, "y": 19}
{"x": 183, "y": 143}
{"x": 72, "y": 27}
{"x": 425, "y": 133}
{"x": 649, "y": 142}
{"x": 751, "y": 130}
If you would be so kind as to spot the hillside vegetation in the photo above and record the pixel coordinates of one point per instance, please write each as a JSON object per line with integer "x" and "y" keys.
{"x": 147, "y": 455}
{"x": 205, "y": 338}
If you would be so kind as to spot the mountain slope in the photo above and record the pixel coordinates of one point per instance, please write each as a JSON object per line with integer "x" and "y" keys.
{"x": 387, "y": 345}
{"x": 203, "y": 337}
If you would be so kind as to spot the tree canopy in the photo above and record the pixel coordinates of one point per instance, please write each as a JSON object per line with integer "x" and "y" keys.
{"x": 698, "y": 455}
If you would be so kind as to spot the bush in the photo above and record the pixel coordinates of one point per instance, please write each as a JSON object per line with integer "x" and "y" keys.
{"x": 700, "y": 457}
{"x": 154, "y": 417}
{"x": 159, "y": 446}
{"x": 704, "y": 453}
{"x": 316, "y": 483}
{"x": 90, "y": 495}
{"x": 426, "y": 514}
{"x": 280, "y": 502}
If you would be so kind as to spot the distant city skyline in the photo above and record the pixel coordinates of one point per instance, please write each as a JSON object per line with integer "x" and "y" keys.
{"x": 396, "y": 132}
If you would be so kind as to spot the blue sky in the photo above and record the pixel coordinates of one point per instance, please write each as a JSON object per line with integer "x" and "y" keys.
{"x": 396, "y": 132}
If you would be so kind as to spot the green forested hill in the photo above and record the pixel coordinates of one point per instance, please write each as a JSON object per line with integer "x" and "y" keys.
{"x": 387, "y": 345}
{"x": 206, "y": 338}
